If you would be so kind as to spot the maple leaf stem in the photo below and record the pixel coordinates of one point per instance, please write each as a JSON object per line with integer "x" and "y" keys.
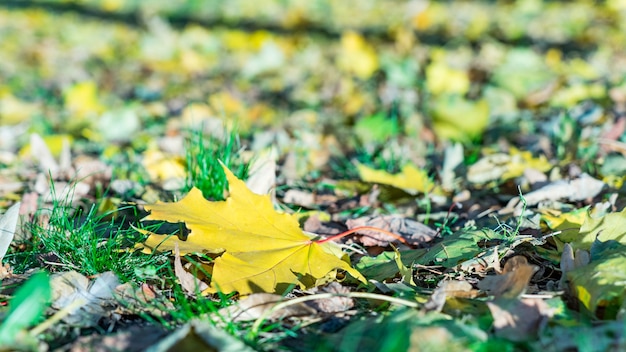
{"x": 359, "y": 228}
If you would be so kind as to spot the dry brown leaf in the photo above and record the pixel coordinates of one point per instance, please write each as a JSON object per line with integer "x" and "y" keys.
{"x": 189, "y": 283}
{"x": 298, "y": 197}
{"x": 71, "y": 286}
{"x": 450, "y": 288}
{"x": 519, "y": 320}
{"x": 512, "y": 282}
{"x": 335, "y": 304}
{"x": 413, "y": 231}
{"x": 256, "y": 304}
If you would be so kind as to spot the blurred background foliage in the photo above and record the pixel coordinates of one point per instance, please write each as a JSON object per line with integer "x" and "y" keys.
{"x": 415, "y": 71}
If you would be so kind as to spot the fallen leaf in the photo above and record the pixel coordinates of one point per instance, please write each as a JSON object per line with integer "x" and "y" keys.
{"x": 299, "y": 197}
{"x": 449, "y": 288}
{"x": 600, "y": 283}
{"x": 604, "y": 228}
{"x": 357, "y": 56}
{"x": 255, "y": 305}
{"x": 264, "y": 251}
{"x": 161, "y": 166}
{"x": 189, "y": 283}
{"x": 503, "y": 167}
{"x": 8, "y": 225}
{"x": 199, "y": 335}
{"x": 262, "y": 171}
{"x": 578, "y": 189}
{"x": 519, "y": 320}
{"x": 411, "y": 179}
{"x": 82, "y": 101}
{"x": 453, "y": 159}
{"x": 512, "y": 282}
{"x": 334, "y": 304}
{"x": 413, "y": 231}
{"x": 132, "y": 339}
{"x": 441, "y": 79}
{"x": 84, "y": 302}
{"x": 460, "y": 119}
{"x": 522, "y": 72}
{"x": 460, "y": 246}
{"x": 377, "y": 128}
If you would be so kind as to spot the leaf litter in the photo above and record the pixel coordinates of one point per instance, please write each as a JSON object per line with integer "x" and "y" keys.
{"x": 462, "y": 174}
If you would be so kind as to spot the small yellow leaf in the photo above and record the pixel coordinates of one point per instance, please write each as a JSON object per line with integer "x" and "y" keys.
{"x": 457, "y": 118}
{"x": 357, "y": 56}
{"x": 585, "y": 297}
{"x": 14, "y": 110}
{"x": 82, "y": 100}
{"x": 503, "y": 167}
{"x": 570, "y": 221}
{"x": 522, "y": 160}
{"x": 441, "y": 78}
{"x": 410, "y": 179}
{"x": 162, "y": 167}
{"x": 264, "y": 251}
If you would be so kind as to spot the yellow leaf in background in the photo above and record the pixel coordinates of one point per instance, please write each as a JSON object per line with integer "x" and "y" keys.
{"x": 53, "y": 142}
{"x": 459, "y": 119}
{"x": 162, "y": 167}
{"x": 500, "y": 166}
{"x": 429, "y": 17}
{"x": 585, "y": 297}
{"x": 582, "y": 68}
{"x": 243, "y": 41}
{"x": 112, "y": 5}
{"x": 570, "y": 221}
{"x": 410, "y": 179}
{"x": 82, "y": 100}
{"x": 357, "y": 56}
{"x": 609, "y": 227}
{"x": 522, "y": 160}
{"x": 441, "y": 78}
{"x": 14, "y": 110}
{"x": 570, "y": 96}
{"x": 264, "y": 251}
{"x": 227, "y": 105}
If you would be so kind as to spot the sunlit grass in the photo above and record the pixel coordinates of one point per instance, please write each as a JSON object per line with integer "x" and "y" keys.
{"x": 203, "y": 155}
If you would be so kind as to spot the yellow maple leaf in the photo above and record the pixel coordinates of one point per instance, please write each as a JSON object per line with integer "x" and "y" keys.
{"x": 264, "y": 251}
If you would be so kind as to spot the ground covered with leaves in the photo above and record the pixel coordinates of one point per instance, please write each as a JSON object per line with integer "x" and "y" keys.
{"x": 371, "y": 175}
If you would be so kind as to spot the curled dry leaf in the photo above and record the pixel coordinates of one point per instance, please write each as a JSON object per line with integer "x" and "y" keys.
{"x": 298, "y": 197}
{"x": 445, "y": 289}
{"x": 255, "y": 305}
{"x": 190, "y": 283}
{"x": 8, "y": 225}
{"x": 86, "y": 301}
{"x": 519, "y": 320}
{"x": 512, "y": 282}
{"x": 335, "y": 304}
{"x": 413, "y": 231}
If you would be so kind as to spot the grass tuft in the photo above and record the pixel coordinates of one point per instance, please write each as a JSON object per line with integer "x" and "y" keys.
{"x": 203, "y": 155}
